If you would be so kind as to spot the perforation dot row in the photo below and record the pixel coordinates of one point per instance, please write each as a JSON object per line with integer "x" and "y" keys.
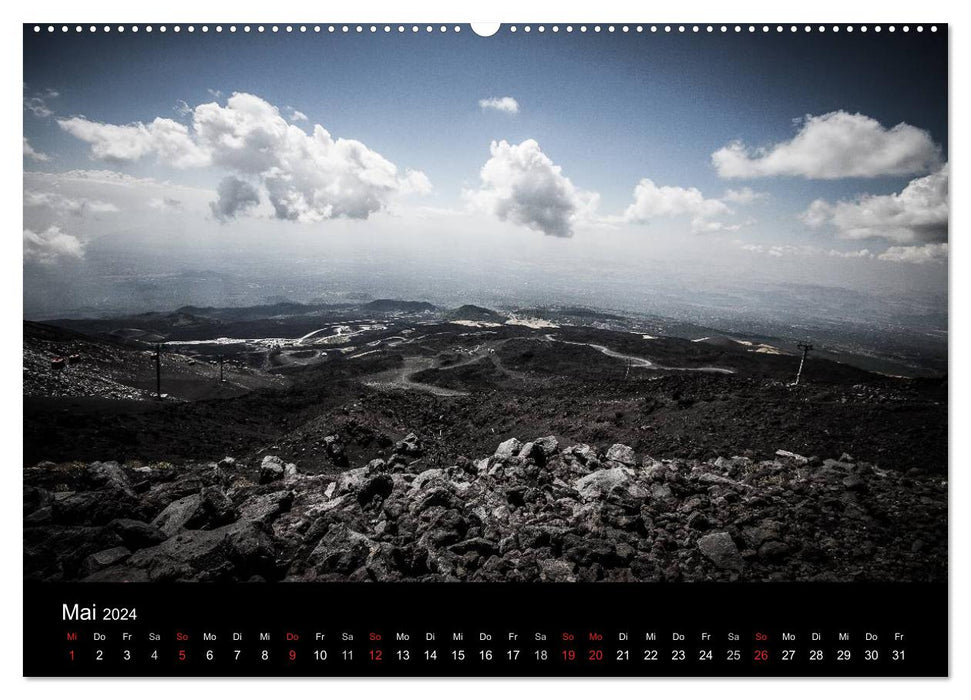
{"x": 737, "y": 28}
{"x": 232, "y": 28}
{"x": 428, "y": 28}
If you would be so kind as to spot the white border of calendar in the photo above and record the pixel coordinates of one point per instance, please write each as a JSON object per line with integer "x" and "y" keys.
{"x": 521, "y": 11}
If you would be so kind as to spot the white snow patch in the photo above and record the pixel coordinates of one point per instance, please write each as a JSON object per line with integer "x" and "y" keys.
{"x": 476, "y": 324}
{"x": 531, "y": 322}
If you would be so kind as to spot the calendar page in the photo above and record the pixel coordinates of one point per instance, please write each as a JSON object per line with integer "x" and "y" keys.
{"x": 485, "y": 350}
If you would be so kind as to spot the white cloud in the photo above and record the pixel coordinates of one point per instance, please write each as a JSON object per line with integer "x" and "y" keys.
{"x": 652, "y": 202}
{"x": 744, "y": 195}
{"x": 235, "y": 197}
{"x": 522, "y": 185}
{"x": 165, "y": 203}
{"x": 51, "y": 246}
{"x": 57, "y": 202}
{"x": 917, "y": 214}
{"x": 298, "y": 116}
{"x": 168, "y": 140}
{"x": 29, "y": 152}
{"x": 864, "y": 253}
{"x": 34, "y": 179}
{"x": 90, "y": 204}
{"x": 182, "y": 108}
{"x": 415, "y": 182}
{"x": 37, "y": 104}
{"x": 500, "y": 104}
{"x": 37, "y": 107}
{"x": 921, "y": 254}
{"x": 101, "y": 177}
{"x": 704, "y": 226}
{"x": 780, "y": 251}
{"x": 835, "y": 145}
{"x": 307, "y": 177}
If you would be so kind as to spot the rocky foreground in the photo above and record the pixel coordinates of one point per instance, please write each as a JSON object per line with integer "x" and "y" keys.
{"x": 534, "y": 511}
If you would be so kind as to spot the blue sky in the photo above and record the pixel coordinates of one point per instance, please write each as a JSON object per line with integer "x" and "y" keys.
{"x": 605, "y": 112}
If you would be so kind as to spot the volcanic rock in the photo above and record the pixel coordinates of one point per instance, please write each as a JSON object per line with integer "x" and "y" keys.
{"x": 136, "y": 533}
{"x": 409, "y": 446}
{"x": 529, "y": 512}
{"x": 271, "y": 469}
{"x": 266, "y": 507}
{"x": 507, "y": 449}
{"x": 621, "y": 454}
{"x": 721, "y": 549}
{"x": 103, "y": 559}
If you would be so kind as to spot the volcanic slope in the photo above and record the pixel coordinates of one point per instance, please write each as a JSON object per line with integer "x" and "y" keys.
{"x": 462, "y": 389}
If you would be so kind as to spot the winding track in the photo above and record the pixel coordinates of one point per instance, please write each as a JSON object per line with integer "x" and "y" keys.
{"x": 402, "y": 378}
{"x": 641, "y": 361}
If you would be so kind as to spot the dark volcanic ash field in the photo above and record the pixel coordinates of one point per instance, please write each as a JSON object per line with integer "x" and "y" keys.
{"x": 399, "y": 442}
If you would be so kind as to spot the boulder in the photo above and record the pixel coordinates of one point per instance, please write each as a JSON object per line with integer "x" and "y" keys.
{"x": 376, "y": 466}
{"x": 103, "y": 559}
{"x": 108, "y": 475}
{"x": 720, "y": 548}
{"x": 798, "y": 459}
{"x": 215, "y": 509}
{"x": 177, "y": 514}
{"x": 352, "y": 480}
{"x": 136, "y": 534}
{"x": 409, "y": 446}
{"x": 271, "y": 469}
{"x": 207, "y": 509}
{"x": 557, "y": 570}
{"x": 236, "y": 551}
{"x": 334, "y": 447}
{"x": 621, "y": 454}
{"x": 35, "y": 498}
{"x": 56, "y": 552}
{"x": 95, "y": 507}
{"x": 548, "y": 445}
{"x": 584, "y": 453}
{"x": 507, "y": 449}
{"x": 39, "y": 516}
{"x": 773, "y": 549}
{"x": 601, "y": 483}
{"x": 530, "y": 450}
{"x": 266, "y": 507}
{"x": 762, "y": 532}
{"x": 340, "y": 551}
{"x": 379, "y": 487}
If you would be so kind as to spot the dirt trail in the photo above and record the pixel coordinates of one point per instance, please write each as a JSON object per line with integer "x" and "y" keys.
{"x": 400, "y": 378}
{"x": 640, "y": 361}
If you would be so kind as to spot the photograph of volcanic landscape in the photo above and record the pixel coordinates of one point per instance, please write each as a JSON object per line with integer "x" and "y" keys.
{"x": 414, "y": 443}
{"x": 558, "y": 307}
